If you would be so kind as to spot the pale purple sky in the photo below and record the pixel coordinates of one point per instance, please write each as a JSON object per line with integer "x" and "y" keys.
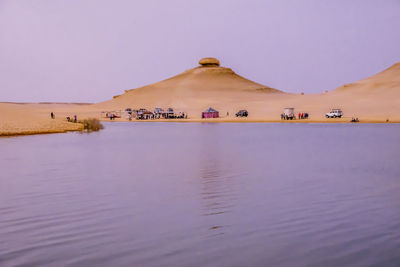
{"x": 90, "y": 50}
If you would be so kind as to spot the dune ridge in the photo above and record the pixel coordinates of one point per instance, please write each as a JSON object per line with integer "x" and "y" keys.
{"x": 383, "y": 82}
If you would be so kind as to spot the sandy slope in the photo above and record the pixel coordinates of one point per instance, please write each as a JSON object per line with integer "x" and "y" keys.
{"x": 195, "y": 88}
{"x": 385, "y": 82}
{"x": 375, "y": 99}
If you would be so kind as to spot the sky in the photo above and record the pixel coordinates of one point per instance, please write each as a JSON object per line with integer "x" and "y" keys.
{"x": 90, "y": 50}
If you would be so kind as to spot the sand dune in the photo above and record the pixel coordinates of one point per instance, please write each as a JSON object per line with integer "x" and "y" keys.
{"x": 375, "y": 99}
{"x": 385, "y": 82}
{"x": 198, "y": 87}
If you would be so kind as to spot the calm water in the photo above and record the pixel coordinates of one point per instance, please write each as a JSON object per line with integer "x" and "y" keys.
{"x": 166, "y": 194}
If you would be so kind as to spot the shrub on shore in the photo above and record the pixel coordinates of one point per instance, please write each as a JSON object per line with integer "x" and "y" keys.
{"x": 92, "y": 125}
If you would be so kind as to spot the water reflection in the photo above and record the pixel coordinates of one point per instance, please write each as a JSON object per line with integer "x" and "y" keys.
{"x": 218, "y": 194}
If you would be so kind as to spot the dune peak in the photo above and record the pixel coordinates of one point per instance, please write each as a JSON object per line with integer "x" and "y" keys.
{"x": 209, "y": 62}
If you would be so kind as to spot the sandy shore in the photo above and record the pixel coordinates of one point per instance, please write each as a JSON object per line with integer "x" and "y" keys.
{"x": 28, "y": 119}
{"x": 259, "y": 120}
{"x": 224, "y": 120}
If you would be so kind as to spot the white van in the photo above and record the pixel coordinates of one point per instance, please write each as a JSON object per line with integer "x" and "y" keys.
{"x": 335, "y": 113}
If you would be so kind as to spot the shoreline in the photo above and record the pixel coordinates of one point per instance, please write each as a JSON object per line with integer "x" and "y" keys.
{"x": 34, "y": 132}
{"x": 4, "y": 134}
{"x": 33, "y": 119}
{"x": 224, "y": 120}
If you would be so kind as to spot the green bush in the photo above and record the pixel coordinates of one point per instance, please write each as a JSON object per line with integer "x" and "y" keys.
{"x": 92, "y": 125}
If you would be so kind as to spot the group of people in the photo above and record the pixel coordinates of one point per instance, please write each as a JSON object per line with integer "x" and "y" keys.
{"x": 287, "y": 117}
{"x": 152, "y": 116}
{"x": 303, "y": 115}
{"x": 75, "y": 119}
{"x": 69, "y": 119}
{"x": 112, "y": 116}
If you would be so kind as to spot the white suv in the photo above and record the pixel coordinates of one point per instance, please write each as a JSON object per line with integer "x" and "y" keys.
{"x": 335, "y": 113}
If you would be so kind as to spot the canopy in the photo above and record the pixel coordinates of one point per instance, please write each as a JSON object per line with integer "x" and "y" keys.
{"x": 210, "y": 110}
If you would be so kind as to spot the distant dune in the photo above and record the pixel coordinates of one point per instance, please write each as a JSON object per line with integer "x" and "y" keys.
{"x": 374, "y": 99}
{"x": 387, "y": 81}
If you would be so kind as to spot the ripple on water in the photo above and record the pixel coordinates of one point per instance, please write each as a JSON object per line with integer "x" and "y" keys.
{"x": 202, "y": 195}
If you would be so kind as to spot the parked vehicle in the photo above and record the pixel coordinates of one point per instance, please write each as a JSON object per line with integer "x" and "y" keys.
{"x": 170, "y": 114}
{"x": 111, "y": 114}
{"x": 158, "y": 111}
{"x": 242, "y": 113}
{"x": 288, "y": 114}
{"x": 335, "y": 113}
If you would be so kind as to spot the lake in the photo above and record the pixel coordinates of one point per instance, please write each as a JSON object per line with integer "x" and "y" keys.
{"x": 211, "y": 194}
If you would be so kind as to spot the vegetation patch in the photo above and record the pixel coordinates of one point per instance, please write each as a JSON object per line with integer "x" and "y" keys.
{"x": 92, "y": 125}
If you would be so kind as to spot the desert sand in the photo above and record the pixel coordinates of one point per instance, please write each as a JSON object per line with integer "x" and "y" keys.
{"x": 26, "y": 119}
{"x": 375, "y": 99}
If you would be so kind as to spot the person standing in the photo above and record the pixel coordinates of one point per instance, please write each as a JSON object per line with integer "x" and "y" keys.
{"x": 52, "y": 115}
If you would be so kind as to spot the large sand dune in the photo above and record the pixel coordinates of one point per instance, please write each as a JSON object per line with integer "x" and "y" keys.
{"x": 197, "y": 88}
